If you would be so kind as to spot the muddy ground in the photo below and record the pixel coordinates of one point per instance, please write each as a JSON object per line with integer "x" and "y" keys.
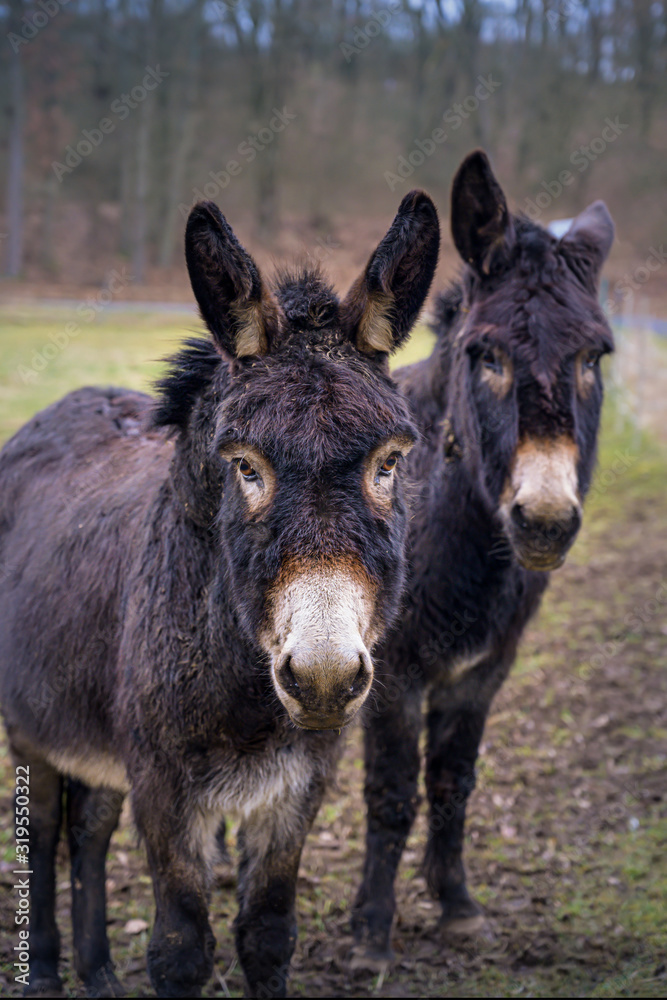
{"x": 566, "y": 835}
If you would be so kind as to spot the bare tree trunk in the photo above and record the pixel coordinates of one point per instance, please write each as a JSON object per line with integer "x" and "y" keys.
{"x": 49, "y": 257}
{"x": 143, "y": 175}
{"x": 16, "y": 153}
{"x": 188, "y": 115}
{"x": 179, "y": 160}
{"x": 139, "y": 251}
{"x": 645, "y": 83}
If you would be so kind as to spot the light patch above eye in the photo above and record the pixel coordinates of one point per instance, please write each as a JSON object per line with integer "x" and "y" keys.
{"x": 496, "y": 371}
{"x": 254, "y": 474}
{"x": 380, "y": 468}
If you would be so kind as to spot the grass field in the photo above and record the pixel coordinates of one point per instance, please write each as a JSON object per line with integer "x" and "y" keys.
{"x": 567, "y": 835}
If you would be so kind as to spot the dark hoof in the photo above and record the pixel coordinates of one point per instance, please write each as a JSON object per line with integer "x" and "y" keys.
{"x": 183, "y": 971}
{"x": 44, "y": 986}
{"x": 369, "y": 959}
{"x": 371, "y": 923}
{"x": 104, "y": 984}
{"x": 464, "y": 918}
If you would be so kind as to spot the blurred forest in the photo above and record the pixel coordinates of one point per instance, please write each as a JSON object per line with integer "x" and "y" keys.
{"x": 308, "y": 121}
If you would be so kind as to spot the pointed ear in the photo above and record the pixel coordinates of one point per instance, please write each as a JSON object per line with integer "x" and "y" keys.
{"x": 588, "y": 241}
{"x": 481, "y": 222}
{"x": 385, "y": 300}
{"x": 227, "y": 285}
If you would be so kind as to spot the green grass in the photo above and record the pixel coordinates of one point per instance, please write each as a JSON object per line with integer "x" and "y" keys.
{"x": 114, "y": 349}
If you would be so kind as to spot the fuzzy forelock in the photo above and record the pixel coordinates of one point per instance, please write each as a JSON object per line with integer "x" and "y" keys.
{"x": 309, "y": 306}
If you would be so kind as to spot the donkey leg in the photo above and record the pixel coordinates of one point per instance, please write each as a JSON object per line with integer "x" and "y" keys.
{"x": 179, "y": 844}
{"x": 392, "y": 770}
{"x": 92, "y": 816}
{"x": 270, "y": 844}
{"x": 45, "y": 820}
{"x": 454, "y": 735}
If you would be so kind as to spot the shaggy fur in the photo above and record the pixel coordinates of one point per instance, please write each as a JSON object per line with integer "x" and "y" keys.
{"x": 136, "y": 583}
{"x": 469, "y": 598}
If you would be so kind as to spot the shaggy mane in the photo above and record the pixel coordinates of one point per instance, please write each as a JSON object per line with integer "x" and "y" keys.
{"x": 189, "y": 374}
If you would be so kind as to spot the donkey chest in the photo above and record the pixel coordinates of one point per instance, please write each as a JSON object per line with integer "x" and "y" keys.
{"x": 242, "y": 784}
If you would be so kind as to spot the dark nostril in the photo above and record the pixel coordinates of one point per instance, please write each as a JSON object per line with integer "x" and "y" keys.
{"x": 287, "y": 679}
{"x": 360, "y": 680}
{"x": 519, "y": 517}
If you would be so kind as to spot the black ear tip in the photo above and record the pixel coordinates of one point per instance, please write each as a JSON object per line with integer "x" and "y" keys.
{"x": 205, "y": 213}
{"x": 476, "y": 162}
{"x": 478, "y": 157}
{"x": 418, "y": 202}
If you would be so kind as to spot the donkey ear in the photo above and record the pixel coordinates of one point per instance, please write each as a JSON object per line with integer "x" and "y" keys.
{"x": 227, "y": 284}
{"x": 480, "y": 217}
{"x": 385, "y": 300}
{"x": 589, "y": 239}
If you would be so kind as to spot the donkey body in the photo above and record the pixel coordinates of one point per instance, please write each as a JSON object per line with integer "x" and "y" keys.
{"x": 509, "y": 405}
{"x": 192, "y": 590}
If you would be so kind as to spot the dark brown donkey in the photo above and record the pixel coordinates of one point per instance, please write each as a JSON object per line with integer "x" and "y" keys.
{"x": 509, "y": 405}
{"x": 192, "y": 592}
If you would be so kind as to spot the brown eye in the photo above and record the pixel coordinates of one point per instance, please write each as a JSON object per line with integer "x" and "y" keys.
{"x": 388, "y": 465}
{"x": 247, "y": 471}
{"x": 590, "y": 360}
{"x": 491, "y": 361}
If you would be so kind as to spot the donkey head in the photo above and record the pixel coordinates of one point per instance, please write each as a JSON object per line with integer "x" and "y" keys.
{"x": 526, "y": 382}
{"x": 292, "y": 444}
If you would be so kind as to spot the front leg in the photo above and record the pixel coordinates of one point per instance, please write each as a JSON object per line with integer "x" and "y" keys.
{"x": 456, "y": 718}
{"x": 454, "y": 735}
{"x": 392, "y": 770}
{"x": 178, "y": 835}
{"x": 270, "y": 842}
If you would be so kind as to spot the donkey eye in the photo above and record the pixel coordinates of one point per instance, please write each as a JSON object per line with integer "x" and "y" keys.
{"x": 491, "y": 361}
{"x": 247, "y": 471}
{"x": 388, "y": 465}
{"x": 590, "y": 360}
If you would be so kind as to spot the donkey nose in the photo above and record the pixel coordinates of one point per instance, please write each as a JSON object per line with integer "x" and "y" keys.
{"x": 325, "y": 679}
{"x": 554, "y": 529}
